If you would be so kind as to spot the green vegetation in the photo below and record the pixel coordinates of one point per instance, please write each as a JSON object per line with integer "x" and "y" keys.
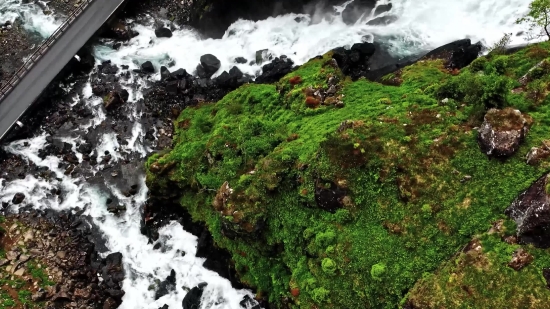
{"x": 412, "y": 186}
{"x": 39, "y": 274}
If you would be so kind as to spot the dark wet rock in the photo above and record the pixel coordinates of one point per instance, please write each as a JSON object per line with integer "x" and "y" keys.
{"x": 355, "y": 61}
{"x": 166, "y": 286}
{"x": 233, "y": 79}
{"x": 531, "y": 212}
{"x": 163, "y": 32}
{"x": 208, "y": 66}
{"x": 331, "y": 198}
{"x": 382, "y": 8}
{"x": 113, "y": 269}
{"x": 502, "y": 132}
{"x": 192, "y": 299}
{"x": 85, "y": 148}
{"x": 147, "y": 67}
{"x": 164, "y": 73}
{"x": 457, "y": 54}
{"x": 180, "y": 74}
{"x": 520, "y": 259}
{"x": 112, "y": 100}
{"x": 164, "y": 307}
{"x": 18, "y": 198}
{"x": 275, "y": 70}
{"x": 249, "y": 303}
{"x": 356, "y": 9}
{"x": 241, "y": 60}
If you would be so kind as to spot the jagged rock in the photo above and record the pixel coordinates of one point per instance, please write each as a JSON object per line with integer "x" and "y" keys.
{"x": 208, "y": 66}
{"x": 18, "y": 198}
{"x": 531, "y": 212}
{"x": 163, "y": 32}
{"x": 275, "y": 70}
{"x": 85, "y": 148}
{"x": 192, "y": 299}
{"x": 230, "y": 80}
{"x": 249, "y": 303}
{"x": 241, "y": 60}
{"x": 61, "y": 296}
{"x": 520, "y": 259}
{"x": 355, "y": 61}
{"x": 166, "y": 286}
{"x": 147, "y": 67}
{"x": 503, "y": 131}
{"x": 112, "y": 100}
{"x": 263, "y": 56}
{"x": 457, "y": 54}
{"x": 180, "y": 74}
{"x": 164, "y": 73}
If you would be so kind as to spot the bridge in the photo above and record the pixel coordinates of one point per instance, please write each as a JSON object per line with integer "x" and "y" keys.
{"x": 26, "y": 85}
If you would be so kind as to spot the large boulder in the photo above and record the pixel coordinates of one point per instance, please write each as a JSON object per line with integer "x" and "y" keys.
{"x": 192, "y": 299}
{"x": 208, "y": 66}
{"x": 503, "y": 131}
{"x": 531, "y": 211}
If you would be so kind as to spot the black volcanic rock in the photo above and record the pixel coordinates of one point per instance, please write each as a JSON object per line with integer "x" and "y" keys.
{"x": 163, "y": 32}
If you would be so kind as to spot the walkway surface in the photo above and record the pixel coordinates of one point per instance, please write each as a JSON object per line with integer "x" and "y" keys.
{"x": 53, "y": 60}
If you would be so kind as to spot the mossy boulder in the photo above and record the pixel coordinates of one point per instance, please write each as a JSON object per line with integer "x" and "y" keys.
{"x": 502, "y": 132}
{"x": 379, "y": 191}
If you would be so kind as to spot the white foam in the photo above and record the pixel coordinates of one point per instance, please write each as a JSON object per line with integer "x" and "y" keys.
{"x": 32, "y": 16}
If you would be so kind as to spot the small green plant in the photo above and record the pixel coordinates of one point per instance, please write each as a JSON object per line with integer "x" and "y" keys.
{"x": 538, "y": 18}
{"x": 328, "y": 265}
{"x": 500, "y": 47}
{"x": 377, "y": 271}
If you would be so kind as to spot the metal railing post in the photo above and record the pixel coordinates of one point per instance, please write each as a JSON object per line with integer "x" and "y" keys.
{"x": 41, "y": 50}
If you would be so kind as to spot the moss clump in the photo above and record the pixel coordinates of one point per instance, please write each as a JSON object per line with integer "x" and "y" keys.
{"x": 387, "y": 183}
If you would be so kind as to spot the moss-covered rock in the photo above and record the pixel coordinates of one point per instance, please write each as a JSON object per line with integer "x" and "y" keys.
{"x": 348, "y": 202}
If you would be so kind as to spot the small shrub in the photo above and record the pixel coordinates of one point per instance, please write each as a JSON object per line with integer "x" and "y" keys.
{"x": 500, "y": 64}
{"x": 328, "y": 265}
{"x": 319, "y": 295}
{"x": 478, "y": 65}
{"x": 537, "y": 52}
{"x": 377, "y": 270}
{"x": 295, "y": 80}
{"x": 536, "y": 91}
{"x": 500, "y": 47}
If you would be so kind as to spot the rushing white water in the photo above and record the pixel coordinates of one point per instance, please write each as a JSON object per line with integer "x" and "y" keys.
{"x": 32, "y": 16}
{"x": 421, "y": 25}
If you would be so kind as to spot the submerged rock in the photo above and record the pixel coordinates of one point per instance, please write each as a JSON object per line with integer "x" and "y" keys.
{"x": 18, "y": 198}
{"x": 163, "y": 32}
{"x": 502, "y": 132}
{"x": 531, "y": 212}
{"x": 356, "y": 10}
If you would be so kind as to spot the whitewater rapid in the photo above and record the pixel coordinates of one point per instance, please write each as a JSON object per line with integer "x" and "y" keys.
{"x": 421, "y": 25}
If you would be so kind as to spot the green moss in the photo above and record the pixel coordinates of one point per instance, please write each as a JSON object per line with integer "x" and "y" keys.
{"x": 400, "y": 155}
{"x": 39, "y": 274}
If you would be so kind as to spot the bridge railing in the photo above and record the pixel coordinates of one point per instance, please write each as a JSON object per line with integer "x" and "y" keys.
{"x": 41, "y": 50}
